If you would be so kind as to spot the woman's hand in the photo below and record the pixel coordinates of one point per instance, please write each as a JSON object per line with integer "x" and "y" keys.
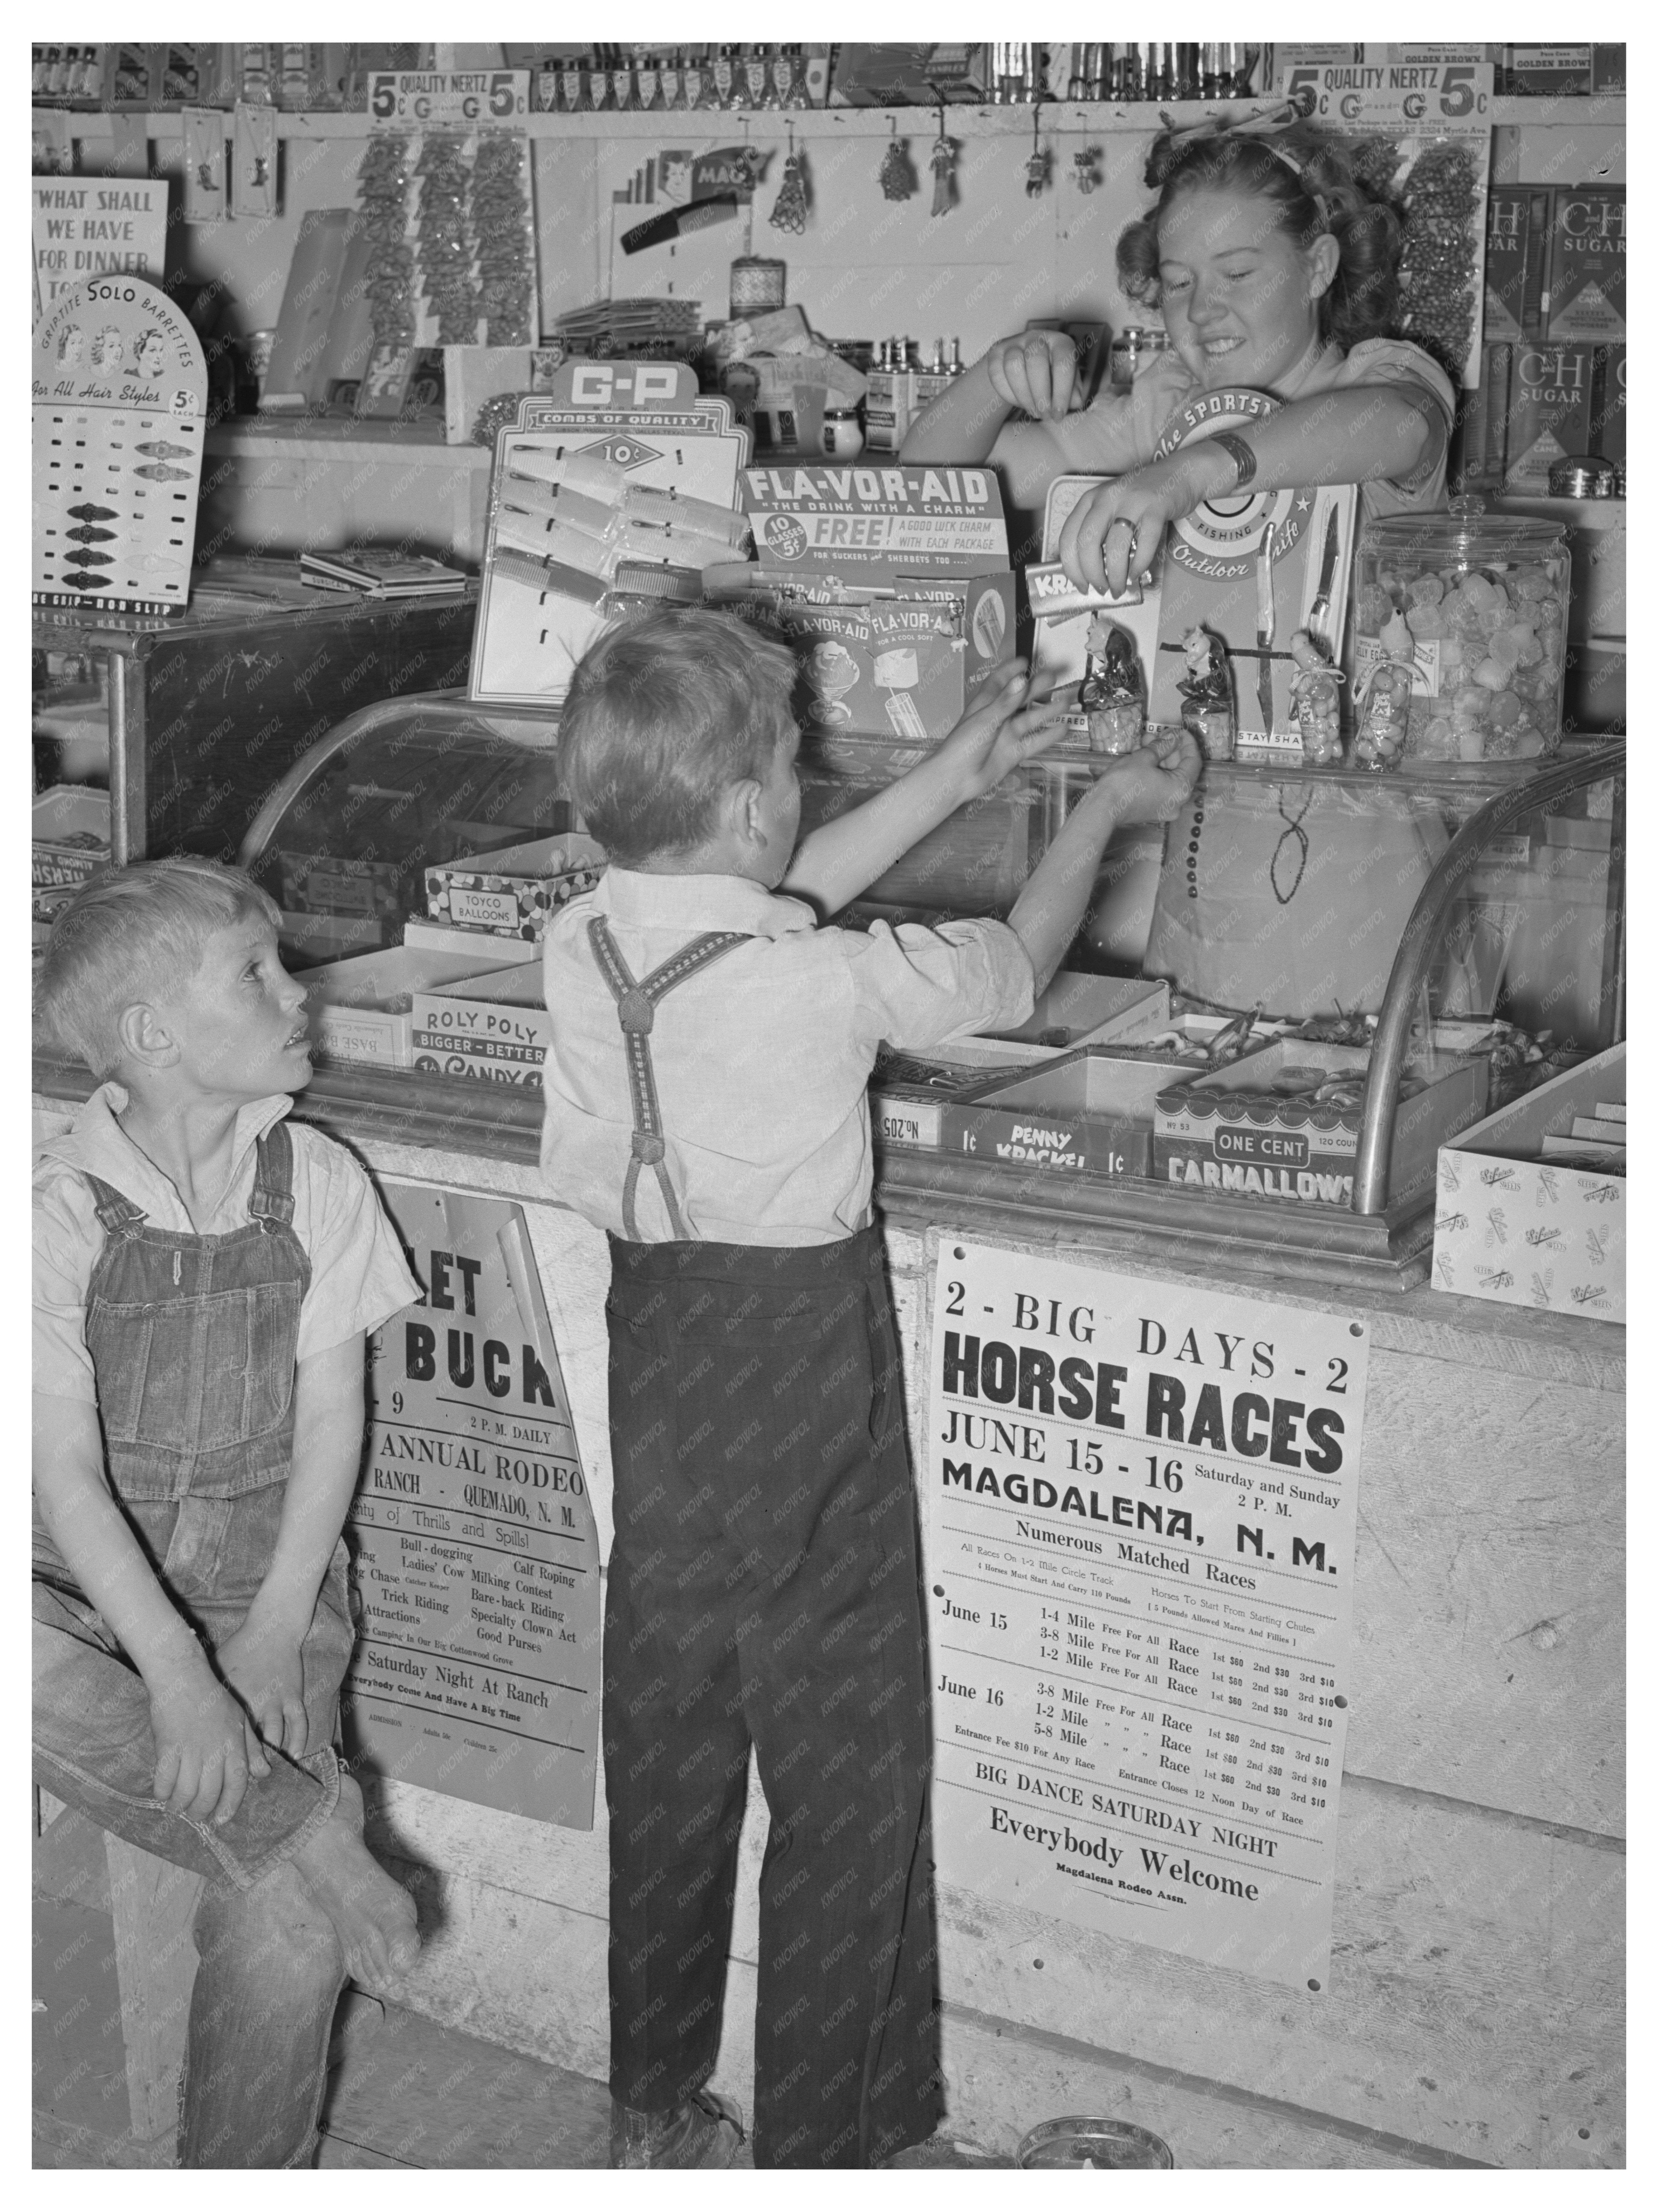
{"x": 1035, "y": 372}
{"x": 1004, "y": 728}
{"x": 1114, "y": 533}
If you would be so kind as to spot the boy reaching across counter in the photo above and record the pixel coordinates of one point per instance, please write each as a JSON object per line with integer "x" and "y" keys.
{"x": 705, "y": 1107}
{"x": 205, "y": 1274}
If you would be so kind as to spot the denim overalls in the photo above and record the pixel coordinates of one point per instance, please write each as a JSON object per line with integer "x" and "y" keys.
{"x": 192, "y": 1341}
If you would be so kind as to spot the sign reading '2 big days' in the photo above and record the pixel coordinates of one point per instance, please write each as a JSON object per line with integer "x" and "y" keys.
{"x": 1141, "y": 1507}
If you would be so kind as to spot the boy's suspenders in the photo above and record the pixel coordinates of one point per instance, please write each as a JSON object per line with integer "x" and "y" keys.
{"x": 636, "y": 1009}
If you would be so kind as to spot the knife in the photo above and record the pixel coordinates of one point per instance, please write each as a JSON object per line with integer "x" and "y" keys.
{"x": 1318, "y": 614}
{"x": 1265, "y": 624}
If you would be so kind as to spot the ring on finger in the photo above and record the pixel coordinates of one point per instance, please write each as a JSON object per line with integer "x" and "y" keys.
{"x": 1122, "y": 522}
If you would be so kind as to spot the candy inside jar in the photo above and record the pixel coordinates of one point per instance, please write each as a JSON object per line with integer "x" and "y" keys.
{"x": 1475, "y": 605}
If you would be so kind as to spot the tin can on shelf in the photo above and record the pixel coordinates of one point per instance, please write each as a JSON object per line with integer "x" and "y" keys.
{"x": 1583, "y": 476}
{"x": 1475, "y": 606}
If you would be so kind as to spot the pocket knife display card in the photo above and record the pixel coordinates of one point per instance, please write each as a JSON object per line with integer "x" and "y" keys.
{"x": 120, "y": 406}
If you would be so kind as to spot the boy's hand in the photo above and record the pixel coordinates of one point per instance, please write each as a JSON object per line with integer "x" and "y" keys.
{"x": 1154, "y": 783}
{"x": 1004, "y": 728}
{"x": 262, "y": 1665}
{"x": 205, "y": 1746}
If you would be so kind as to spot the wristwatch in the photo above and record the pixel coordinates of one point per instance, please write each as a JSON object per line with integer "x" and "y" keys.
{"x": 1241, "y": 451}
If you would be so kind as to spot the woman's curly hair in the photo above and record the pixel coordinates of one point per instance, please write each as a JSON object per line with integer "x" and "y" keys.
{"x": 1362, "y": 300}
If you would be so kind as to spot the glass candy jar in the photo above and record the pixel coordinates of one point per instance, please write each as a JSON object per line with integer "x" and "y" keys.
{"x": 1476, "y": 605}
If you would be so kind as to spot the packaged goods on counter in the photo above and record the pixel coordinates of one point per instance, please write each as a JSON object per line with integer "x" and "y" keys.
{"x": 514, "y": 893}
{"x": 1283, "y": 1123}
{"x": 493, "y": 1028}
{"x": 1473, "y": 607}
{"x": 69, "y": 833}
{"x": 1531, "y": 1206}
{"x": 361, "y": 1009}
{"x": 897, "y": 578}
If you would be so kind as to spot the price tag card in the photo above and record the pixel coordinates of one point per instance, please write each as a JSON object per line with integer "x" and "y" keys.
{"x": 1141, "y": 1502}
{"x": 415, "y": 99}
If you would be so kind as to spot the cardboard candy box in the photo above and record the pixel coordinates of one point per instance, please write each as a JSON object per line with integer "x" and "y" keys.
{"x": 896, "y": 578}
{"x": 511, "y": 893}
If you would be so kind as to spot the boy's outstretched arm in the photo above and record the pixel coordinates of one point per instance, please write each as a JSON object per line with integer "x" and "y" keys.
{"x": 844, "y": 857}
{"x": 1150, "y": 785}
{"x": 205, "y": 1746}
{"x": 261, "y": 1661}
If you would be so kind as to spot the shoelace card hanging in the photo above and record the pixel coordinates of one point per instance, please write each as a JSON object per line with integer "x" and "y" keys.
{"x": 119, "y": 405}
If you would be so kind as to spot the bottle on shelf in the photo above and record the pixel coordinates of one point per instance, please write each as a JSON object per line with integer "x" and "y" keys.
{"x": 672, "y": 81}
{"x": 724, "y": 76}
{"x": 647, "y": 78}
{"x": 624, "y": 97}
{"x": 954, "y": 365}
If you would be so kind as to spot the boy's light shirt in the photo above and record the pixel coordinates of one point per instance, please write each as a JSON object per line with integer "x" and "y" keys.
{"x": 1120, "y": 430}
{"x": 761, "y": 1060}
{"x": 359, "y": 1276}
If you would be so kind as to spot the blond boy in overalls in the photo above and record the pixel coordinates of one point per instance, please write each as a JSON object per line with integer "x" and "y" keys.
{"x": 705, "y": 1107}
{"x": 205, "y": 1274}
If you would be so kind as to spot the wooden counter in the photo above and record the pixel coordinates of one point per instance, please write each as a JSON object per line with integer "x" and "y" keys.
{"x": 1475, "y": 2014}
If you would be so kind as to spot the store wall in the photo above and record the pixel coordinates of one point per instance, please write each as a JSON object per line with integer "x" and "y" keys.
{"x": 1473, "y": 2014}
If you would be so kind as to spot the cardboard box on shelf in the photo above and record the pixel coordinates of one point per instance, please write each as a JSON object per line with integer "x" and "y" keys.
{"x": 1083, "y": 1112}
{"x": 513, "y": 892}
{"x": 361, "y": 1009}
{"x": 494, "y": 1028}
{"x": 1519, "y": 222}
{"x": 1523, "y": 1230}
{"x": 1231, "y": 1132}
{"x": 423, "y": 936}
{"x": 1587, "y": 264}
{"x": 1549, "y": 411}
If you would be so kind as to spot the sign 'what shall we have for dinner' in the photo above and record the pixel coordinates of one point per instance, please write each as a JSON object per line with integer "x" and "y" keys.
{"x": 1141, "y": 1500}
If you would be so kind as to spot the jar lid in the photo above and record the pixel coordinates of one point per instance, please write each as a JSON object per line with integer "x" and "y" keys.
{"x": 839, "y": 414}
{"x": 1582, "y": 476}
{"x": 1463, "y": 531}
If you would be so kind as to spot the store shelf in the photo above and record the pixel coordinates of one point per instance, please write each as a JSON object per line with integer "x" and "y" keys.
{"x": 962, "y": 121}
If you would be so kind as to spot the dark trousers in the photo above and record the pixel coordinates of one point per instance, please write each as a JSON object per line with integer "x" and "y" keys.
{"x": 763, "y": 1590}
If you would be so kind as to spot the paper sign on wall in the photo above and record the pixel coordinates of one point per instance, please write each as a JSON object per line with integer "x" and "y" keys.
{"x": 1141, "y": 1501}
{"x": 476, "y": 1672}
{"x": 97, "y": 227}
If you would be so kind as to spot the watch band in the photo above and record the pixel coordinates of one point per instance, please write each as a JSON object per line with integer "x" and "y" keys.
{"x": 1241, "y": 451}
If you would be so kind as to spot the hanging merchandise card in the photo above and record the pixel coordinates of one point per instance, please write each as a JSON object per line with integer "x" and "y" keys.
{"x": 119, "y": 389}
{"x": 1416, "y": 124}
{"x": 474, "y": 1552}
{"x": 572, "y": 518}
{"x": 1141, "y": 1502}
{"x": 452, "y": 216}
{"x": 1251, "y": 567}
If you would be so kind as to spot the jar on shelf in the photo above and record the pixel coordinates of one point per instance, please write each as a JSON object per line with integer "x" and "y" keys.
{"x": 843, "y": 434}
{"x": 1475, "y": 606}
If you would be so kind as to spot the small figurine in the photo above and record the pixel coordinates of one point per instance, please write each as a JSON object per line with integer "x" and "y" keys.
{"x": 1315, "y": 700}
{"x": 1113, "y": 689}
{"x": 1383, "y": 719}
{"x": 1206, "y": 688}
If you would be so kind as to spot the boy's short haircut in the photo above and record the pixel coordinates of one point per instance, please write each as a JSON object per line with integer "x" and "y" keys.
{"x": 134, "y": 935}
{"x": 663, "y": 716}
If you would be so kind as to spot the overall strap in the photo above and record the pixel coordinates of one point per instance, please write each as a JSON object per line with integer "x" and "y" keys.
{"x": 635, "y": 1008}
{"x": 115, "y": 1212}
{"x": 272, "y": 1196}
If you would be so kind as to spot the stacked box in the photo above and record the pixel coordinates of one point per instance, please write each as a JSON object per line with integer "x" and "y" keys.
{"x": 493, "y": 1028}
{"x": 1587, "y": 264}
{"x": 514, "y": 893}
{"x": 1609, "y": 406}
{"x": 1519, "y": 220}
{"x": 1523, "y": 1230}
{"x": 1482, "y": 420}
{"x": 1549, "y": 406}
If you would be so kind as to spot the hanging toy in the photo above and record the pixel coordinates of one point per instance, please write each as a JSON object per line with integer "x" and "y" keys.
{"x": 1315, "y": 700}
{"x": 1087, "y": 167}
{"x": 1113, "y": 692}
{"x": 1383, "y": 719}
{"x": 1207, "y": 688}
{"x": 1037, "y": 168}
{"x": 790, "y": 212}
{"x": 943, "y": 164}
{"x": 895, "y": 177}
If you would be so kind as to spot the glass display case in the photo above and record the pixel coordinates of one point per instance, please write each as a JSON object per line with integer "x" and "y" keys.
{"x": 1356, "y": 969}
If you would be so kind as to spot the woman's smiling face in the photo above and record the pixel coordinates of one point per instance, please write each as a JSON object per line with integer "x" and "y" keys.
{"x": 1240, "y": 298}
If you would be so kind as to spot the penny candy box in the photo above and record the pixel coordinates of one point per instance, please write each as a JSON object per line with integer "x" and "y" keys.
{"x": 511, "y": 893}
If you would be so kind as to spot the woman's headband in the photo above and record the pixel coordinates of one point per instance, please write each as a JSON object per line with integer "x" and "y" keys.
{"x": 1260, "y": 129}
